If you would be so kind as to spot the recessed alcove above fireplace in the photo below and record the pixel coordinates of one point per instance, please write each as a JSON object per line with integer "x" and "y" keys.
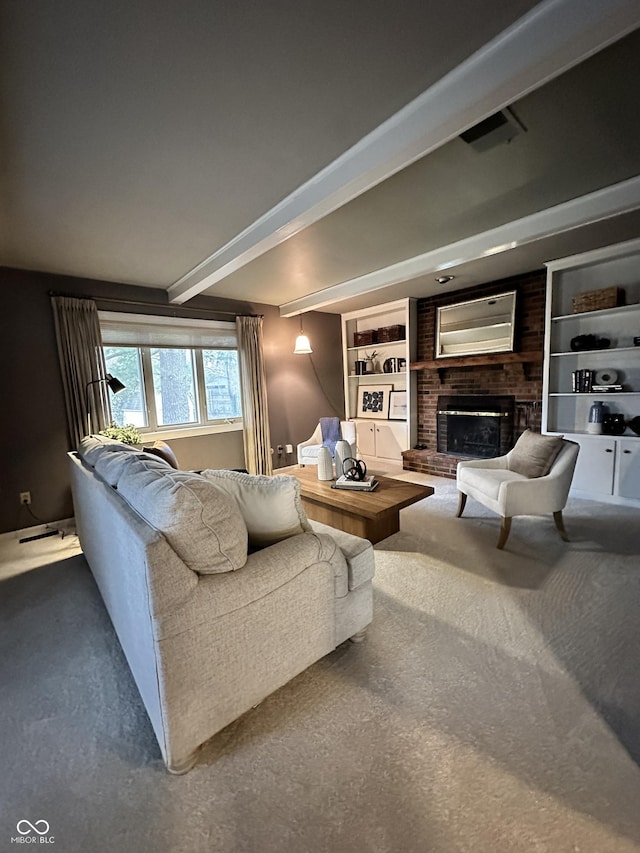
{"x": 516, "y": 375}
{"x": 477, "y": 426}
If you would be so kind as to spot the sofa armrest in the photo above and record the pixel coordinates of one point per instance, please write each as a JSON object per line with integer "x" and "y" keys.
{"x": 536, "y": 496}
{"x": 264, "y": 571}
{"x": 498, "y": 462}
{"x": 358, "y": 553}
{"x": 316, "y": 438}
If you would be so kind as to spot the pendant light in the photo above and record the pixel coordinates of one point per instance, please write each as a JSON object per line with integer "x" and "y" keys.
{"x": 302, "y": 346}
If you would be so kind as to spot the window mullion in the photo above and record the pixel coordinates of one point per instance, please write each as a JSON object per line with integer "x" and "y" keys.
{"x": 201, "y": 388}
{"x": 149, "y": 391}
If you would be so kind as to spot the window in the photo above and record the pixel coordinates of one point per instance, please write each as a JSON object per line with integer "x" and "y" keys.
{"x": 177, "y": 374}
{"x": 127, "y": 406}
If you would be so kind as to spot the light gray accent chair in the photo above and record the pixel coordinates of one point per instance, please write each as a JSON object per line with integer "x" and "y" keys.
{"x": 308, "y": 450}
{"x": 204, "y": 648}
{"x": 509, "y": 493}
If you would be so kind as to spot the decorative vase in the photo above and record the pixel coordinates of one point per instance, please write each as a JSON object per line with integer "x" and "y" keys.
{"x": 596, "y": 417}
{"x": 343, "y": 451}
{"x": 613, "y": 424}
{"x": 325, "y": 464}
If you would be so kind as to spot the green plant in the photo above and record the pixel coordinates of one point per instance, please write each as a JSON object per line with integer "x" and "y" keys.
{"x": 128, "y": 434}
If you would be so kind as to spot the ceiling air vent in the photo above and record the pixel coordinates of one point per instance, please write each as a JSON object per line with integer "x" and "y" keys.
{"x": 494, "y": 130}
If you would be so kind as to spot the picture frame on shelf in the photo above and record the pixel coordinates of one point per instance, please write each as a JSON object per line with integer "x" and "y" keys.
{"x": 398, "y": 406}
{"x": 373, "y": 401}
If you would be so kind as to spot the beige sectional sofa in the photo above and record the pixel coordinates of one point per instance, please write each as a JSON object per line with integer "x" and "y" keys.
{"x": 219, "y": 589}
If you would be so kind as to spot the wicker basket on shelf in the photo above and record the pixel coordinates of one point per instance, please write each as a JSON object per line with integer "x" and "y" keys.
{"x": 390, "y": 333}
{"x": 595, "y": 300}
{"x": 365, "y": 338}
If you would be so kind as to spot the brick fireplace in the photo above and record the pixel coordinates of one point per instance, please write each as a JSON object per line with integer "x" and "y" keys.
{"x": 521, "y": 382}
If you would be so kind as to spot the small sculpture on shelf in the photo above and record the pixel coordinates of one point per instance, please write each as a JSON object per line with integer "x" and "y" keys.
{"x": 613, "y": 424}
{"x": 634, "y": 424}
{"x": 371, "y": 363}
{"x": 586, "y": 342}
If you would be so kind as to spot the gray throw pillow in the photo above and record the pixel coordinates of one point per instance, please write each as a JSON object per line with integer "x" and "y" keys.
{"x": 534, "y": 454}
{"x": 202, "y": 523}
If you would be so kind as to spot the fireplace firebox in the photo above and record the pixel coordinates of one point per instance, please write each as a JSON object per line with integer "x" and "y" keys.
{"x": 476, "y": 426}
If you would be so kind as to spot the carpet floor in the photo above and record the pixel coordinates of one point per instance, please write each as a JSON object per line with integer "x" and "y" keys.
{"x": 495, "y": 706}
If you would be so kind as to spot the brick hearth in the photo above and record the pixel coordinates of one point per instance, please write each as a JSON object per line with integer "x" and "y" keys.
{"x": 523, "y": 380}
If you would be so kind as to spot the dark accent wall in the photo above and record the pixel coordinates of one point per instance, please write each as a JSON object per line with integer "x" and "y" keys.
{"x": 33, "y": 424}
{"x": 523, "y": 381}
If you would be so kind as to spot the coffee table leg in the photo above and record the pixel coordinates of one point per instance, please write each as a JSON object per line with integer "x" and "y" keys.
{"x": 378, "y": 529}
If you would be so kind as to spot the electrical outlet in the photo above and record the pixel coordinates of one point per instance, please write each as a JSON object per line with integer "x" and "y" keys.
{"x": 280, "y": 449}
{"x": 25, "y": 497}
{"x": 289, "y": 448}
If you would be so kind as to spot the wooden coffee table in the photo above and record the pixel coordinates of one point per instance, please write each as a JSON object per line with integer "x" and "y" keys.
{"x": 372, "y": 515}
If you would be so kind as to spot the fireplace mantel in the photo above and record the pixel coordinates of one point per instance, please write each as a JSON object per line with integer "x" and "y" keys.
{"x": 474, "y": 360}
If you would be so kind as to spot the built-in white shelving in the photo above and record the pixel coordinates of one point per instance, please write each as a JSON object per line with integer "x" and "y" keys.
{"x": 608, "y": 466}
{"x": 381, "y": 440}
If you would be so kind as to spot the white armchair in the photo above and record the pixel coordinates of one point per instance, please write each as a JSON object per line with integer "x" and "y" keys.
{"x": 308, "y": 450}
{"x": 508, "y": 493}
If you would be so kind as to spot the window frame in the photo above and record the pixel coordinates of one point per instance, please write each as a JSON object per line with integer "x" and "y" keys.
{"x": 204, "y": 425}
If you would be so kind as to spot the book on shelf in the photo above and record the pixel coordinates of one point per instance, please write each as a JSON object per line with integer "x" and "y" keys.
{"x": 581, "y": 381}
{"x": 367, "y": 485}
{"x": 606, "y": 388}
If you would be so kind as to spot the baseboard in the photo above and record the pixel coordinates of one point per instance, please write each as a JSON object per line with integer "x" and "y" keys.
{"x": 65, "y": 527}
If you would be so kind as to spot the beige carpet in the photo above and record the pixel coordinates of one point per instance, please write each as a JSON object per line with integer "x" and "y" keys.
{"x": 494, "y": 707}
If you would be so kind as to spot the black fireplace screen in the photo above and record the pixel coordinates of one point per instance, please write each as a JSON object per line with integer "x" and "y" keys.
{"x": 474, "y": 425}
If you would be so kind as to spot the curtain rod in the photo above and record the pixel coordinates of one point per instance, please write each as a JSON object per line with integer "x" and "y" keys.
{"x": 154, "y": 305}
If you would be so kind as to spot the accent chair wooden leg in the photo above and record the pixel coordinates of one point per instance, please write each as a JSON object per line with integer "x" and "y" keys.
{"x": 557, "y": 517}
{"x": 462, "y": 500}
{"x": 505, "y": 529}
{"x": 359, "y": 637}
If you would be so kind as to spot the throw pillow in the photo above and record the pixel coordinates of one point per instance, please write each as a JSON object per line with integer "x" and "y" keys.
{"x": 201, "y": 522}
{"x": 162, "y": 450}
{"x": 534, "y": 454}
{"x": 270, "y": 506}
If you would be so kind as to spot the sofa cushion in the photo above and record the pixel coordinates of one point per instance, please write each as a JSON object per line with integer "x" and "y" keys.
{"x": 486, "y": 481}
{"x": 93, "y": 446}
{"x": 534, "y": 454}
{"x": 201, "y": 522}
{"x": 111, "y": 465}
{"x": 270, "y": 506}
{"x": 311, "y": 451}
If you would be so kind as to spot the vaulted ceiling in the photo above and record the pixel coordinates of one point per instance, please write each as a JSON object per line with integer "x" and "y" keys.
{"x": 308, "y": 155}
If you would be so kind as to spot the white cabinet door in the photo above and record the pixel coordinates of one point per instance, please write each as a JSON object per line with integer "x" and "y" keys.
{"x": 595, "y": 465}
{"x": 366, "y": 438}
{"x": 390, "y": 440}
{"x": 628, "y": 469}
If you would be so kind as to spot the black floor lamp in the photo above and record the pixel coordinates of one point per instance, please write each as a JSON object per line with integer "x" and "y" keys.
{"x": 112, "y": 381}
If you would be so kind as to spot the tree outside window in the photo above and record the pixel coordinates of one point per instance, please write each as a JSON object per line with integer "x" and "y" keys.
{"x": 172, "y": 386}
{"x": 127, "y": 406}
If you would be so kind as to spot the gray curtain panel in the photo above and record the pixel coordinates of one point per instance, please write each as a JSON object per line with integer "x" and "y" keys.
{"x": 257, "y": 438}
{"x": 81, "y": 362}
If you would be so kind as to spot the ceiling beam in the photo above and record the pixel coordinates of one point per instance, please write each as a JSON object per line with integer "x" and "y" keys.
{"x": 553, "y": 37}
{"x": 584, "y": 210}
